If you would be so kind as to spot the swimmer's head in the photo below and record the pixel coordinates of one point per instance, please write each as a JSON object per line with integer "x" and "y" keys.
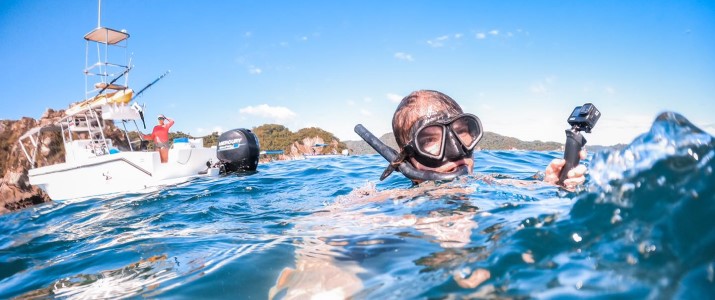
{"x": 417, "y": 105}
{"x": 432, "y": 130}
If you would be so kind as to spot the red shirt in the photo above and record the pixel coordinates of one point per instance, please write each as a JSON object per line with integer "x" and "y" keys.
{"x": 160, "y": 134}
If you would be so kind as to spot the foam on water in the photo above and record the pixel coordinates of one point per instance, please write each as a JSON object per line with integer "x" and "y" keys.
{"x": 642, "y": 228}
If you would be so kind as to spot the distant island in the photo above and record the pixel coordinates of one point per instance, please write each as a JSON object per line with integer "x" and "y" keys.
{"x": 490, "y": 141}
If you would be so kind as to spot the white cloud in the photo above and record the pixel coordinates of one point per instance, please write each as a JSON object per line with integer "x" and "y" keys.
{"x": 365, "y": 112}
{"x": 248, "y": 34}
{"x": 610, "y": 90}
{"x": 267, "y": 111}
{"x": 367, "y": 99}
{"x": 494, "y": 32}
{"x": 351, "y": 103}
{"x": 438, "y": 42}
{"x": 394, "y": 97}
{"x": 538, "y": 88}
{"x": 254, "y": 70}
{"x": 458, "y": 35}
{"x": 203, "y": 131}
{"x": 543, "y": 86}
{"x": 404, "y": 56}
{"x": 481, "y": 36}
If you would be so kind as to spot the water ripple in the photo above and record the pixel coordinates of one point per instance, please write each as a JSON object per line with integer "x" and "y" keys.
{"x": 327, "y": 228}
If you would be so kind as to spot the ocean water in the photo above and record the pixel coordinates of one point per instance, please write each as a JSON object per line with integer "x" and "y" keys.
{"x": 643, "y": 227}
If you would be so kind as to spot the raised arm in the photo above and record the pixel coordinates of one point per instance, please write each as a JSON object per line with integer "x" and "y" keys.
{"x": 169, "y": 123}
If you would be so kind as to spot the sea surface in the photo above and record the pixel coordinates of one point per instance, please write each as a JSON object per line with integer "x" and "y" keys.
{"x": 643, "y": 227}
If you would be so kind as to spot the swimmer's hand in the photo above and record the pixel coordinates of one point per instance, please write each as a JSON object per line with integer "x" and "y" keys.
{"x": 575, "y": 177}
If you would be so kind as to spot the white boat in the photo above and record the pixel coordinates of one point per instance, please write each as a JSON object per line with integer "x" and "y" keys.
{"x": 94, "y": 165}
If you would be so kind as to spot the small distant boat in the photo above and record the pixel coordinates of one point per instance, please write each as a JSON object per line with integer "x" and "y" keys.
{"x": 94, "y": 165}
{"x": 271, "y": 152}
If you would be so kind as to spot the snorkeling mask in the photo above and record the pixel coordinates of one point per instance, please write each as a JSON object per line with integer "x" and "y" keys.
{"x": 445, "y": 139}
{"x": 434, "y": 143}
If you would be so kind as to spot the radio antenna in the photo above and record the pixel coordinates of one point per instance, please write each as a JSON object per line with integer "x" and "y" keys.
{"x": 99, "y": 14}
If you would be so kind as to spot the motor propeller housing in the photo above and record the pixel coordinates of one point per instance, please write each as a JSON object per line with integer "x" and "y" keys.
{"x": 238, "y": 150}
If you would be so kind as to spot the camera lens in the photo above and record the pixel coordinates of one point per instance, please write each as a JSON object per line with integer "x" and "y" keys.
{"x": 585, "y": 109}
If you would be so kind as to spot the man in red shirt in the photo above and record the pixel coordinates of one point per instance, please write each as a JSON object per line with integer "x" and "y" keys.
{"x": 160, "y": 136}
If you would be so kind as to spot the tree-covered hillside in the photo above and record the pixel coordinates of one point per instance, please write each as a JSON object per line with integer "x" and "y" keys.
{"x": 490, "y": 141}
{"x": 278, "y": 137}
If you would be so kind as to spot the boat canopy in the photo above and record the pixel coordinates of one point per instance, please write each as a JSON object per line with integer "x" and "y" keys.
{"x": 40, "y": 129}
{"x": 106, "y": 35}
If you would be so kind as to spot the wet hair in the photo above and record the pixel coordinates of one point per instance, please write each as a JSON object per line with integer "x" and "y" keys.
{"x": 417, "y": 105}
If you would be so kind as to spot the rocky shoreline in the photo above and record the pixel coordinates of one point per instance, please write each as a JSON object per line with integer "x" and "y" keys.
{"x": 15, "y": 189}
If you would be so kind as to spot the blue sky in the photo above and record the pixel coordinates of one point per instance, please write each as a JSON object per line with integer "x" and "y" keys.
{"x": 521, "y": 66}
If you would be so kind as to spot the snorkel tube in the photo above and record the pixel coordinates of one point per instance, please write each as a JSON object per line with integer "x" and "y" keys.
{"x": 405, "y": 167}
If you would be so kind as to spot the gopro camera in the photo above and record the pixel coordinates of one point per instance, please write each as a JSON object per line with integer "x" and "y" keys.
{"x": 584, "y": 118}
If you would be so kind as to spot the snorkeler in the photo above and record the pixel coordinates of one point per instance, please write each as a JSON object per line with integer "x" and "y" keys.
{"x": 436, "y": 140}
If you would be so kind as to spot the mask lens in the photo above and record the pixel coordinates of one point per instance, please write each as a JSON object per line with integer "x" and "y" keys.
{"x": 429, "y": 140}
{"x": 467, "y": 130}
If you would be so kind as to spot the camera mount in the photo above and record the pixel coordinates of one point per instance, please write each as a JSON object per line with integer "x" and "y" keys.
{"x": 583, "y": 118}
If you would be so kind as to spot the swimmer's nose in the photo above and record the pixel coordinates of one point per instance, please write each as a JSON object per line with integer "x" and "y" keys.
{"x": 453, "y": 148}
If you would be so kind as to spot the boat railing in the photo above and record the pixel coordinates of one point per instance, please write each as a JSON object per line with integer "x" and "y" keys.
{"x": 33, "y": 137}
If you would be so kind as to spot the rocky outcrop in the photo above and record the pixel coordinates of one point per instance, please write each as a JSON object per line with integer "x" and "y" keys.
{"x": 313, "y": 146}
{"x": 15, "y": 189}
{"x": 16, "y": 192}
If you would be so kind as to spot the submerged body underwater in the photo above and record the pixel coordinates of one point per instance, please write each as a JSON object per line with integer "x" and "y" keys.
{"x": 643, "y": 226}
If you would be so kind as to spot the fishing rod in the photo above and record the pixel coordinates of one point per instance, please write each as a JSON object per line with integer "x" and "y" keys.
{"x": 141, "y": 111}
{"x": 114, "y": 80}
{"x": 150, "y": 84}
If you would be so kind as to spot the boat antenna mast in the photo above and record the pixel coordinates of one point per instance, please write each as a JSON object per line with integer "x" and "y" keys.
{"x": 99, "y": 14}
{"x": 106, "y": 61}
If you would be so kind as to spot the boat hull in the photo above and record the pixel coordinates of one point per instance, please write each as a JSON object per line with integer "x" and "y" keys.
{"x": 122, "y": 172}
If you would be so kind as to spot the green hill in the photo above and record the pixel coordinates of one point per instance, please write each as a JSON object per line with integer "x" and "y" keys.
{"x": 278, "y": 137}
{"x": 490, "y": 141}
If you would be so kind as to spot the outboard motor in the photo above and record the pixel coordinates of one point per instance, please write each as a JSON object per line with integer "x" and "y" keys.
{"x": 238, "y": 150}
